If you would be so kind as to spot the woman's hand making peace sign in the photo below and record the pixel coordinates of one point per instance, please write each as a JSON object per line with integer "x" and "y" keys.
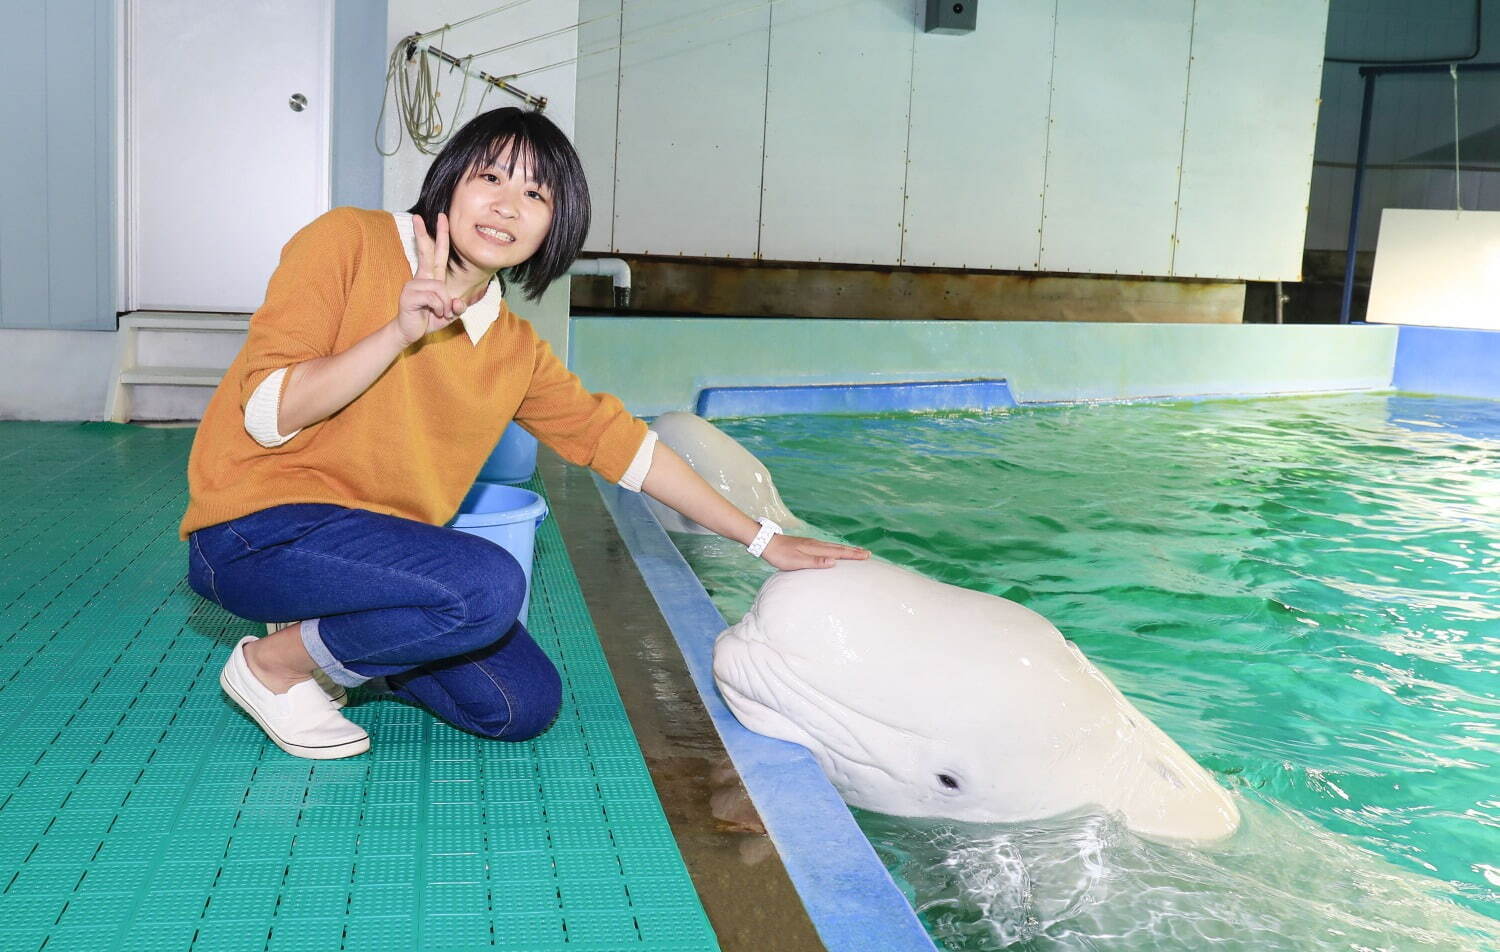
{"x": 425, "y": 303}
{"x": 318, "y": 388}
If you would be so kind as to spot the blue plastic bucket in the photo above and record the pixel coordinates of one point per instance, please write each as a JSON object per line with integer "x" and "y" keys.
{"x": 514, "y": 459}
{"x": 507, "y": 516}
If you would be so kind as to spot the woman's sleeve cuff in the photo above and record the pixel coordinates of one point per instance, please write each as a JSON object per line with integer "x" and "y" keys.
{"x": 635, "y": 476}
{"x": 262, "y": 409}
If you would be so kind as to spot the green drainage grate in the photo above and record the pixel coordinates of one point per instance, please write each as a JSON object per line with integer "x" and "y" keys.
{"x": 139, "y": 811}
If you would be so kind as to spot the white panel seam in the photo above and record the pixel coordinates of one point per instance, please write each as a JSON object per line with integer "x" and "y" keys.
{"x": 765, "y": 120}
{"x": 47, "y": 184}
{"x": 1187, "y": 96}
{"x": 1041, "y": 226}
{"x": 911, "y": 92}
{"x": 614, "y": 199}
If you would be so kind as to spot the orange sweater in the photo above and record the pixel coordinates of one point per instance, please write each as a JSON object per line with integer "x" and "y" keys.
{"x": 412, "y": 444}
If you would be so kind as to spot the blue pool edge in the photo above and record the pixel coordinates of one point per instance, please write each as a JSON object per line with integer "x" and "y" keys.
{"x": 847, "y": 892}
{"x": 879, "y": 397}
{"x": 1449, "y": 361}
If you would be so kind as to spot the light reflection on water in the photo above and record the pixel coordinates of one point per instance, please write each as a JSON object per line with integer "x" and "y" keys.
{"x": 1302, "y": 592}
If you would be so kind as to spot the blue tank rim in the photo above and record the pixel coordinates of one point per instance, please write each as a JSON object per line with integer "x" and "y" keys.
{"x": 513, "y": 506}
{"x": 896, "y": 396}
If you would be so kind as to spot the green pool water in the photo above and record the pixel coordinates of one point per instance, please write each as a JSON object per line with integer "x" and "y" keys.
{"x": 1303, "y": 592}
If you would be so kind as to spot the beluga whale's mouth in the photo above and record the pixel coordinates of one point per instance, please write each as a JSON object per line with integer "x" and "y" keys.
{"x": 1018, "y": 726}
{"x": 769, "y": 697}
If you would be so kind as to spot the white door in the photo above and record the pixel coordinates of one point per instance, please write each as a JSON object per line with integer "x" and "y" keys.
{"x": 226, "y": 145}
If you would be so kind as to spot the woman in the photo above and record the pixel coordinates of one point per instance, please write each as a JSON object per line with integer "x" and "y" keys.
{"x": 377, "y": 377}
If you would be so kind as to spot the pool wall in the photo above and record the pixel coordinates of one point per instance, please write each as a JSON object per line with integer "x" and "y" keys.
{"x": 658, "y": 364}
{"x": 1449, "y": 361}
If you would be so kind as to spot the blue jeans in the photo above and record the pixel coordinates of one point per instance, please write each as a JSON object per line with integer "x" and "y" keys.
{"x": 430, "y": 609}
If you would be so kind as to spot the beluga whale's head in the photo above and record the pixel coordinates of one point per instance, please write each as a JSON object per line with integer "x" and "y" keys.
{"x": 928, "y": 700}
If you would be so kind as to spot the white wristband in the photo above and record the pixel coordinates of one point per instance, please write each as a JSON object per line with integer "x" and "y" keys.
{"x": 763, "y": 537}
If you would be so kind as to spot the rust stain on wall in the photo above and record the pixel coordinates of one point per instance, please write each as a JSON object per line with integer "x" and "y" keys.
{"x": 759, "y": 289}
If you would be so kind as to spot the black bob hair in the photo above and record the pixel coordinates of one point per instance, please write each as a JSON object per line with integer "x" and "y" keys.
{"x": 538, "y": 144}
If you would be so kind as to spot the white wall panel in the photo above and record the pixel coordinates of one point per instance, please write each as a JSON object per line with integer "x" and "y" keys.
{"x": 692, "y": 114}
{"x": 1119, "y": 87}
{"x": 836, "y": 130}
{"x": 1248, "y": 146}
{"x": 596, "y": 112}
{"x": 979, "y": 141}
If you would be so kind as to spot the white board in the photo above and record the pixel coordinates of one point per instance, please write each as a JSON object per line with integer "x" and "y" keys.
{"x": 1248, "y": 146}
{"x": 692, "y": 102}
{"x": 1437, "y": 268}
{"x": 976, "y": 159}
{"x": 1119, "y": 85}
{"x": 596, "y": 110}
{"x": 886, "y": 145}
{"x": 836, "y": 130}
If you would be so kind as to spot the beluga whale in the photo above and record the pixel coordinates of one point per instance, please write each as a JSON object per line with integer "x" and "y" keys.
{"x": 923, "y": 699}
{"x": 726, "y": 465}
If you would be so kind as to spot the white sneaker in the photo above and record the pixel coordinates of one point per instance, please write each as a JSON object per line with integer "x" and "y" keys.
{"x": 337, "y": 696}
{"x": 332, "y": 688}
{"x": 304, "y": 722}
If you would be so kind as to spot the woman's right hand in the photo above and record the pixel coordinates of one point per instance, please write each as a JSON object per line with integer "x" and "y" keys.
{"x": 425, "y": 305}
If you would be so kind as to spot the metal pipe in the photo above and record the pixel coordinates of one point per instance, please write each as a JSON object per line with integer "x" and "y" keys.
{"x": 1280, "y": 302}
{"x": 1428, "y": 68}
{"x": 1359, "y": 181}
{"x": 413, "y": 47}
{"x": 616, "y": 269}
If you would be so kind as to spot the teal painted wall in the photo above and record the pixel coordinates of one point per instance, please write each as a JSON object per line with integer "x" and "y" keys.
{"x": 659, "y": 364}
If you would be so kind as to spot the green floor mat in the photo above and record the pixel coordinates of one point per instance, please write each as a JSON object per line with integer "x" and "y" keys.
{"x": 140, "y": 811}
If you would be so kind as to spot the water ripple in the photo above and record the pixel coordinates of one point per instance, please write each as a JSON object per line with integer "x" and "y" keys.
{"x": 1303, "y": 592}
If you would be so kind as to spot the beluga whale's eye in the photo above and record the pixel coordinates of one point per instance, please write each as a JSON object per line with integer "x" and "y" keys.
{"x": 947, "y": 781}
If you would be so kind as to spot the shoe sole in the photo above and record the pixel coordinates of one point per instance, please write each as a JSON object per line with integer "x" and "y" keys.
{"x": 332, "y": 752}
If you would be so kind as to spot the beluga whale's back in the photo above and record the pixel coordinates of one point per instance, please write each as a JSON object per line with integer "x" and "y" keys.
{"x": 726, "y": 466}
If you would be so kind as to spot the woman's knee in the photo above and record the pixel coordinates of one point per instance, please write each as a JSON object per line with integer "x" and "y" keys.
{"x": 491, "y": 586}
{"x": 523, "y": 711}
